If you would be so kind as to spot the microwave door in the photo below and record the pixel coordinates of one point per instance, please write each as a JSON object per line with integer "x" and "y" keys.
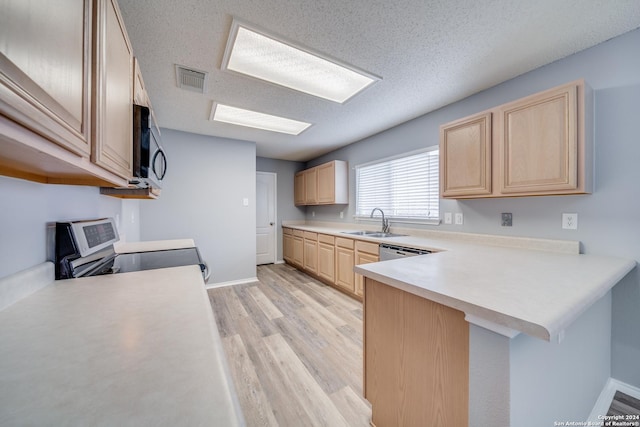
{"x": 158, "y": 161}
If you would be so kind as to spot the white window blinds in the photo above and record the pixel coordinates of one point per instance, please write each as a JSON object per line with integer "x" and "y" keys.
{"x": 403, "y": 187}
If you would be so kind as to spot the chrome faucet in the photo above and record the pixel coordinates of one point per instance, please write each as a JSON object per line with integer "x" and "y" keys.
{"x": 385, "y": 222}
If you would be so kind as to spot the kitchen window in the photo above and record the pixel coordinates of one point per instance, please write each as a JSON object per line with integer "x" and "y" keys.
{"x": 405, "y": 187}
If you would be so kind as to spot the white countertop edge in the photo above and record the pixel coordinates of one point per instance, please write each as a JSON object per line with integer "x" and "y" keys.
{"x": 547, "y": 332}
{"x": 493, "y": 327}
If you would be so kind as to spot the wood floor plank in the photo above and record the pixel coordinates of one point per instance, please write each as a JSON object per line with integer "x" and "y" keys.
{"x": 355, "y": 410}
{"x": 295, "y": 349}
{"x": 270, "y": 310}
{"x": 316, "y": 403}
{"x": 248, "y": 386}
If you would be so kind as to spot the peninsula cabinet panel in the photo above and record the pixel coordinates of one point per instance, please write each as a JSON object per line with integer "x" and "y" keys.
{"x": 45, "y": 69}
{"x": 113, "y": 109}
{"x": 416, "y": 360}
{"x": 465, "y": 152}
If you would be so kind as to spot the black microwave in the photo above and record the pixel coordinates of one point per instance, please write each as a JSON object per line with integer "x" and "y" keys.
{"x": 149, "y": 159}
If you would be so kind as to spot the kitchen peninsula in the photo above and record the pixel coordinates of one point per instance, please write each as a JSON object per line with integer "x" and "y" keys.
{"x": 485, "y": 331}
{"x": 487, "y": 336}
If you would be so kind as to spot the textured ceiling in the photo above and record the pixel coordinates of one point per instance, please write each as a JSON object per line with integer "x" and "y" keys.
{"x": 429, "y": 53}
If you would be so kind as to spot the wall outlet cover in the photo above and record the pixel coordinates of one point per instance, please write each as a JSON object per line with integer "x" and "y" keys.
{"x": 507, "y": 219}
{"x": 570, "y": 221}
{"x": 459, "y": 218}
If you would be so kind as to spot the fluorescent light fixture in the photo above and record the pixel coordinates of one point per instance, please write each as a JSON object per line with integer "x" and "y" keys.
{"x": 264, "y": 57}
{"x": 253, "y": 119}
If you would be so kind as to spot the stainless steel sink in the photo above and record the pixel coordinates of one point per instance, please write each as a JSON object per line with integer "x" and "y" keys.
{"x": 378, "y": 234}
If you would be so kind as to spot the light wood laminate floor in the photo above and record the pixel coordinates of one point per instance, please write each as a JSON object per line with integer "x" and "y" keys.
{"x": 294, "y": 347}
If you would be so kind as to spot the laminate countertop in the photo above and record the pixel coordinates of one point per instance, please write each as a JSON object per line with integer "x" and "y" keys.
{"x": 132, "y": 349}
{"x": 509, "y": 285}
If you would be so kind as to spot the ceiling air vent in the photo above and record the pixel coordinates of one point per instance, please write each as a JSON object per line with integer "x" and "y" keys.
{"x": 190, "y": 79}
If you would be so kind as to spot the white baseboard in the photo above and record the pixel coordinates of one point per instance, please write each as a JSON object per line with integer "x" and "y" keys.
{"x": 606, "y": 397}
{"x": 231, "y": 283}
{"x": 280, "y": 261}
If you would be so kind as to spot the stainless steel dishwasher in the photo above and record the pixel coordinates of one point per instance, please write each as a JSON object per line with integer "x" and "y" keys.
{"x": 388, "y": 252}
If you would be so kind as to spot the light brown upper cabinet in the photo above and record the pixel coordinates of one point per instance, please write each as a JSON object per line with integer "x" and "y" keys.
{"x": 465, "y": 156}
{"x": 537, "y": 145}
{"x": 325, "y": 184}
{"x": 113, "y": 107}
{"x": 66, "y": 81}
{"x": 45, "y": 59}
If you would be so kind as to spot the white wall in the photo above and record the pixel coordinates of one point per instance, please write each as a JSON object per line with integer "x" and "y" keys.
{"x": 26, "y": 208}
{"x": 202, "y": 198}
{"x": 609, "y": 219}
{"x": 286, "y": 210}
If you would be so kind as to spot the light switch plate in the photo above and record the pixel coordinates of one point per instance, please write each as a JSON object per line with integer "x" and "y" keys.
{"x": 507, "y": 219}
{"x": 448, "y": 218}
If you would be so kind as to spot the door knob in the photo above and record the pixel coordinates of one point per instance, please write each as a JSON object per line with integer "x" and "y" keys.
{"x": 270, "y": 223}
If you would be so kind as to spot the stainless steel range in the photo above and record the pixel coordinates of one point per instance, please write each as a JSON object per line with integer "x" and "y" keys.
{"x": 85, "y": 248}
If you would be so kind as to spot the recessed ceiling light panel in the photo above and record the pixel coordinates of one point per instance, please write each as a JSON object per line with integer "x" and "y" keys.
{"x": 253, "y": 119}
{"x": 264, "y": 57}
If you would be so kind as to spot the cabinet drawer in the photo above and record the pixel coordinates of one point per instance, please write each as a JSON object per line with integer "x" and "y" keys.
{"x": 299, "y": 233}
{"x": 310, "y": 236}
{"x": 325, "y": 238}
{"x": 287, "y": 230}
{"x": 371, "y": 248}
{"x": 344, "y": 243}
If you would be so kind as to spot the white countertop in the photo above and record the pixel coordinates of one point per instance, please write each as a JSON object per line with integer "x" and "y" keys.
{"x": 537, "y": 291}
{"x": 126, "y": 349}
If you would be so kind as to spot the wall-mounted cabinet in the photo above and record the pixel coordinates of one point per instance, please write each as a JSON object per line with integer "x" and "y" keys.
{"x": 326, "y": 184}
{"x": 65, "y": 93}
{"x": 538, "y": 145}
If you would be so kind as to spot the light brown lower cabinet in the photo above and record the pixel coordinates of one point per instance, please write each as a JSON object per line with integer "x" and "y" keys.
{"x": 298, "y": 248}
{"x": 326, "y": 258}
{"x": 345, "y": 260}
{"x": 366, "y": 253}
{"x": 416, "y": 360}
{"x": 310, "y": 252}
{"x": 287, "y": 244}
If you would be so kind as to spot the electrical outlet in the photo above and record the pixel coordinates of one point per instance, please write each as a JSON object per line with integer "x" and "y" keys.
{"x": 341, "y": 214}
{"x": 447, "y": 218}
{"x": 459, "y": 218}
{"x": 570, "y": 221}
{"x": 507, "y": 219}
{"x": 313, "y": 214}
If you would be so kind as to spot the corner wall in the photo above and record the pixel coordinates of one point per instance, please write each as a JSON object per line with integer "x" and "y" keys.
{"x": 202, "y": 198}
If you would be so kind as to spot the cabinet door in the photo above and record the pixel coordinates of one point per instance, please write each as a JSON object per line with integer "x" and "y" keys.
{"x": 311, "y": 186}
{"x": 326, "y": 182}
{"x": 311, "y": 255}
{"x": 287, "y": 247}
{"x": 465, "y": 157}
{"x": 113, "y": 109}
{"x": 45, "y": 63}
{"x": 326, "y": 262}
{"x": 362, "y": 258}
{"x": 539, "y": 144}
{"x": 298, "y": 189}
{"x": 140, "y": 95}
{"x": 298, "y": 251}
{"x": 344, "y": 268}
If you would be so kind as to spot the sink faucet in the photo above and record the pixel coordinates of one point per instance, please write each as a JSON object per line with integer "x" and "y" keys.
{"x": 385, "y": 222}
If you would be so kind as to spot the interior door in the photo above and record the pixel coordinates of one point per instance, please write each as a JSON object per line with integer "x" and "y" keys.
{"x": 265, "y": 218}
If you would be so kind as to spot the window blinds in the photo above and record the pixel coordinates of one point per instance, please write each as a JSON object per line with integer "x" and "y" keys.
{"x": 403, "y": 187}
